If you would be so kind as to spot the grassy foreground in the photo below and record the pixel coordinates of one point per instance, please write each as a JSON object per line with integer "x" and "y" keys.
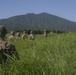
{"x": 53, "y": 55}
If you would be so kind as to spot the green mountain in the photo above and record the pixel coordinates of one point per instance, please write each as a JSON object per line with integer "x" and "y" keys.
{"x": 38, "y": 22}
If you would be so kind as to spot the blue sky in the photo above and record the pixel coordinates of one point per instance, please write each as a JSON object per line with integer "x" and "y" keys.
{"x": 62, "y": 8}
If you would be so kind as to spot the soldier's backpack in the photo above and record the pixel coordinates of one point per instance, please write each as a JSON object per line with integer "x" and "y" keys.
{"x": 7, "y": 49}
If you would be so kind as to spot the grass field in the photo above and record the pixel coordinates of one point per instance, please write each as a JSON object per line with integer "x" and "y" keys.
{"x": 53, "y": 55}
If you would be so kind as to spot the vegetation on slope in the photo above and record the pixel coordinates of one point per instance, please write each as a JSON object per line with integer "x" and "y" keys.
{"x": 38, "y": 22}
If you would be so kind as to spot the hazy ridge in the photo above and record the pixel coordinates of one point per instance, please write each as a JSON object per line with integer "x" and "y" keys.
{"x": 38, "y": 22}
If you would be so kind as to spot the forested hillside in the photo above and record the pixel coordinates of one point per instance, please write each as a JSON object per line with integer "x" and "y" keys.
{"x": 38, "y": 22}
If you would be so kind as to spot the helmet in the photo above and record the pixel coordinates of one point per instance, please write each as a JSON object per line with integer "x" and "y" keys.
{"x": 30, "y": 32}
{"x": 44, "y": 30}
{"x": 24, "y": 32}
{"x": 3, "y": 31}
{"x": 12, "y": 33}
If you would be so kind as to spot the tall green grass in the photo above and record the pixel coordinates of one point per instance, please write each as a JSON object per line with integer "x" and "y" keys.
{"x": 53, "y": 55}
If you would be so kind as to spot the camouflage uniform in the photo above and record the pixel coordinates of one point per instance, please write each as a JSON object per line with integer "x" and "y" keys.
{"x": 17, "y": 35}
{"x": 6, "y": 49}
{"x": 11, "y": 37}
{"x": 45, "y": 34}
{"x": 23, "y": 35}
{"x": 31, "y": 36}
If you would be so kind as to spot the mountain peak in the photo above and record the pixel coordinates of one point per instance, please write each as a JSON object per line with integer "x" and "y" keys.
{"x": 38, "y": 21}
